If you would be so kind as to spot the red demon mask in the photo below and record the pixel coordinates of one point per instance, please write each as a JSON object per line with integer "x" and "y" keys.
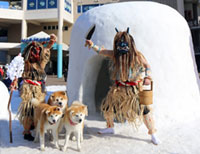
{"x": 35, "y": 52}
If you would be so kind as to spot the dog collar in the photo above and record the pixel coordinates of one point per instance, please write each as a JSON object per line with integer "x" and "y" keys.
{"x": 71, "y": 122}
{"x": 63, "y": 116}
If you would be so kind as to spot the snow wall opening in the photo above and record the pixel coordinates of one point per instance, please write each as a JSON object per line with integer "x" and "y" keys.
{"x": 95, "y": 82}
{"x": 102, "y": 84}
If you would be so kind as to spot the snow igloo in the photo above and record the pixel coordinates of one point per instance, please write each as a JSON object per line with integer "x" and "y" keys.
{"x": 164, "y": 38}
{"x": 4, "y": 95}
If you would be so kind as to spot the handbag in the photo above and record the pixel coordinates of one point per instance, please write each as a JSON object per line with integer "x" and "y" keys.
{"x": 146, "y": 96}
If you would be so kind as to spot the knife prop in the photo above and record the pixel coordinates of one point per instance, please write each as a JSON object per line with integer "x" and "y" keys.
{"x": 90, "y": 33}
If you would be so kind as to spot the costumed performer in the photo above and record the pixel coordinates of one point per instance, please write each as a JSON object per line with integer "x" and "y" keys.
{"x": 36, "y": 56}
{"x": 129, "y": 71}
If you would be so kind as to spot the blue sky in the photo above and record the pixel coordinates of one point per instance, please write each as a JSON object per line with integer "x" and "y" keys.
{"x": 4, "y": 4}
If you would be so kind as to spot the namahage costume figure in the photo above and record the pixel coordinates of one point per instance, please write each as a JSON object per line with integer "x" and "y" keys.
{"x": 130, "y": 71}
{"x": 36, "y": 56}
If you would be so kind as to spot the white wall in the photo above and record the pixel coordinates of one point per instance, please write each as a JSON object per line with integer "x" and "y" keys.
{"x": 11, "y": 14}
{"x": 41, "y": 14}
{"x": 47, "y": 14}
{"x": 161, "y": 34}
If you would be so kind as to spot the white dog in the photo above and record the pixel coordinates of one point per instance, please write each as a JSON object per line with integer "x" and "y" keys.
{"x": 74, "y": 123}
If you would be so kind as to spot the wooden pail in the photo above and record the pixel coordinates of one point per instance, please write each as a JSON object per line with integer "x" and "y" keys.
{"x": 146, "y": 96}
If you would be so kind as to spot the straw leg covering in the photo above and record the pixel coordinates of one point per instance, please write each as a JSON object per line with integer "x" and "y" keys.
{"x": 122, "y": 104}
{"x": 25, "y": 110}
{"x": 149, "y": 122}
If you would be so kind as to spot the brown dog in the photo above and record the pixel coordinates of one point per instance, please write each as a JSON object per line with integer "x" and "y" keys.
{"x": 59, "y": 99}
{"x": 46, "y": 117}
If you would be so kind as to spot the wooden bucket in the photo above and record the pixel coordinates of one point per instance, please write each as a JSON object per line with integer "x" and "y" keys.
{"x": 146, "y": 96}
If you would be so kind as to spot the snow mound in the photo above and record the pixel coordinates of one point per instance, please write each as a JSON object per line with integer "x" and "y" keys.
{"x": 161, "y": 34}
{"x": 4, "y": 95}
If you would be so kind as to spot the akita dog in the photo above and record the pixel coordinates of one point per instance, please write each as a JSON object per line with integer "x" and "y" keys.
{"x": 74, "y": 123}
{"x": 60, "y": 99}
{"x": 46, "y": 117}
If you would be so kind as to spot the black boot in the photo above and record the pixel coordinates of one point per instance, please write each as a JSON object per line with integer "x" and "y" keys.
{"x": 28, "y": 137}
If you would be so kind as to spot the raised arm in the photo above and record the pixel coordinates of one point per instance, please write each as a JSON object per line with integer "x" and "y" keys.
{"x": 99, "y": 50}
{"x": 45, "y": 56}
{"x": 53, "y": 39}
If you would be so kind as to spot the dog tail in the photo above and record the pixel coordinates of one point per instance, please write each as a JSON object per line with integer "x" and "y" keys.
{"x": 35, "y": 102}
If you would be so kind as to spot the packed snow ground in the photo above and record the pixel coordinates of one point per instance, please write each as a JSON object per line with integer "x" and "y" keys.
{"x": 180, "y": 138}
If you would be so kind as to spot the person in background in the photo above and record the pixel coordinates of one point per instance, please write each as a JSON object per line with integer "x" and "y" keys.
{"x": 1, "y": 74}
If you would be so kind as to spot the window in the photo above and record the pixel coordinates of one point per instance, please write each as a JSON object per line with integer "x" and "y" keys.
{"x": 68, "y": 6}
{"x": 52, "y": 3}
{"x": 45, "y": 27}
{"x": 42, "y": 4}
{"x": 31, "y": 5}
{"x": 4, "y": 5}
{"x": 65, "y": 28}
{"x": 49, "y": 27}
{"x": 3, "y": 35}
{"x": 88, "y": 7}
{"x": 79, "y": 9}
{"x": 53, "y": 27}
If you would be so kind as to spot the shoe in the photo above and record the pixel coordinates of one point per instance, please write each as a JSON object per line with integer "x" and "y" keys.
{"x": 28, "y": 137}
{"x": 106, "y": 131}
{"x": 154, "y": 139}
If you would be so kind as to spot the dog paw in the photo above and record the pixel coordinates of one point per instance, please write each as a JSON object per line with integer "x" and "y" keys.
{"x": 61, "y": 149}
{"x": 42, "y": 149}
{"x": 35, "y": 141}
{"x": 51, "y": 138}
{"x": 79, "y": 149}
{"x": 58, "y": 147}
{"x": 64, "y": 149}
{"x": 73, "y": 138}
